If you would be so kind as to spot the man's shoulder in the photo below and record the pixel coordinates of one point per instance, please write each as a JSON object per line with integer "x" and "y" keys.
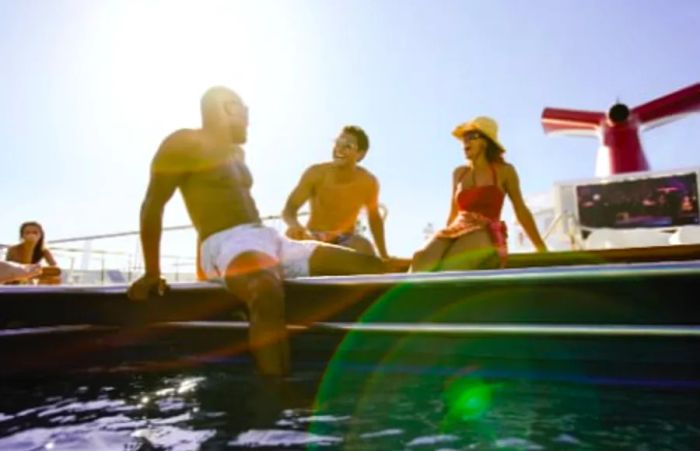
{"x": 321, "y": 167}
{"x": 317, "y": 171}
{"x": 178, "y": 151}
{"x": 184, "y": 139}
{"x": 368, "y": 177}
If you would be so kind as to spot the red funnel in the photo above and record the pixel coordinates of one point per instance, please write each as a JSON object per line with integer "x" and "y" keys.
{"x": 621, "y": 149}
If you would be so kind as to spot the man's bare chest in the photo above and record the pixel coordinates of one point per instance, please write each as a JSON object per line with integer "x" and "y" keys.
{"x": 331, "y": 194}
{"x": 221, "y": 169}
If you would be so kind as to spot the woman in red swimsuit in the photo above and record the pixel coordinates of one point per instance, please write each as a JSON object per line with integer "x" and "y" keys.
{"x": 475, "y": 236}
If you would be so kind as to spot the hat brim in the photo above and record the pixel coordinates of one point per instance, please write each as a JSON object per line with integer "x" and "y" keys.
{"x": 461, "y": 129}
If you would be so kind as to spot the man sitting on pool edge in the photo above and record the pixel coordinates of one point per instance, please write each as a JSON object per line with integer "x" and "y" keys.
{"x": 207, "y": 166}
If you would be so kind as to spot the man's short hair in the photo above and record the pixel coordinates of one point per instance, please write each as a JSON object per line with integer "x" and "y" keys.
{"x": 214, "y": 96}
{"x": 360, "y": 135}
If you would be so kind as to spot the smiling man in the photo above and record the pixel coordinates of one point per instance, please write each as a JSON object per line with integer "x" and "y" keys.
{"x": 337, "y": 191}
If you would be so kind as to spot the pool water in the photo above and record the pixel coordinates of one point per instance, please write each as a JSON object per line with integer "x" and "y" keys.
{"x": 230, "y": 407}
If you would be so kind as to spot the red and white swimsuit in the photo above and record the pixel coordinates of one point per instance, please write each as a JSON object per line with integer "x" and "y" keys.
{"x": 480, "y": 208}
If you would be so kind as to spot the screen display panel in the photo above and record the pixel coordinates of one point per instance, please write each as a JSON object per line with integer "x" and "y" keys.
{"x": 666, "y": 201}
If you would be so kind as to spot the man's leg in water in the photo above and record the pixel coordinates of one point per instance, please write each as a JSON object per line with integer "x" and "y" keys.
{"x": 255, "y": 278}
{"x": 329, "y": 260}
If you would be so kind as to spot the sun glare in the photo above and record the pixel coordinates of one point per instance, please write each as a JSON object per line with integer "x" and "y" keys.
{"x": 184, "y": 47}
{"x": 154, "y": 59}
{"x": 162, "y": 55}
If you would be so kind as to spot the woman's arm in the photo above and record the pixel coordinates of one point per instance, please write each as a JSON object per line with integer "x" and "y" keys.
{"x": 11, "y": 254}
{"x": 522, "y": 213}
{"x": 456, "y": 176}
{"x": 48, "y": 256}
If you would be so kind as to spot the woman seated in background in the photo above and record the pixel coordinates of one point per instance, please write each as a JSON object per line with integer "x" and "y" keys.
{"x": 475, "y": 236}
{"x": 31, "y": 250}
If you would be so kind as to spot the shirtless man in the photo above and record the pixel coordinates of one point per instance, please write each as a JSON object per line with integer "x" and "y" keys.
{"x": 208, "y": 167}
{"x": 336, "y": 192}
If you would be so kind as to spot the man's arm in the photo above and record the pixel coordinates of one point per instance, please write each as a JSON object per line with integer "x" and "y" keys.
{"x": 376, "y": 223}
{"x": 522, "y": 213}
{"x": 160, "y": 190}
{"x": 301, "y": 193}
{"x": 167, "y": 169}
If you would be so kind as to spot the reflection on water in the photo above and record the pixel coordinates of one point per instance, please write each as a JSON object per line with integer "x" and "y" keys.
{"x": 223, "y": 408}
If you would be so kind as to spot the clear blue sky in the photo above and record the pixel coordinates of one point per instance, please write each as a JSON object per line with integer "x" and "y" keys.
{"x": 89, "y": 88}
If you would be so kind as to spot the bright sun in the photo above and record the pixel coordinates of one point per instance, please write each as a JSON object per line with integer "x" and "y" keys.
{"x": 184, "y": 47}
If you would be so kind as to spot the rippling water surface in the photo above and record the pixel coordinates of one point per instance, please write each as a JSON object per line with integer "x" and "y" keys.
{"x": 223, "y": 408}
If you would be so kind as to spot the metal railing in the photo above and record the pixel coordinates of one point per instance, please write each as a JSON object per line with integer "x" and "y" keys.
{"x": 90, "y": 265}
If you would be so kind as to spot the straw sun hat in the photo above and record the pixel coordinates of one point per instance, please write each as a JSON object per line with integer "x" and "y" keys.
{"x": 482, "y": 124}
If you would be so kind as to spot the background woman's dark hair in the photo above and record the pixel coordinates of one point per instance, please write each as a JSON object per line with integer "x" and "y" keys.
{"x": 494, "y": 154}
{"x": 38, "y": 253}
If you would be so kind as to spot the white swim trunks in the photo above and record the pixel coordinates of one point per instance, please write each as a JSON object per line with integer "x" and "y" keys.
{"x": 219, "y": 249}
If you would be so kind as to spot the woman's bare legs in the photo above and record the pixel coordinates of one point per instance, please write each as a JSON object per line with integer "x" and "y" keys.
{"x": 471, "y": 251}
{"x": 429, "y": 258}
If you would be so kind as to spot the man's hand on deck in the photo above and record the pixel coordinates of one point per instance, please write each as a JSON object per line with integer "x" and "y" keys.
{"x": 298, "y": 233}
{"x": 146, "y": 286}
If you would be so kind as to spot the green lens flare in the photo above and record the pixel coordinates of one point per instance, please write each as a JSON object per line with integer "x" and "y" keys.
{"x": 467, "y": 400}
